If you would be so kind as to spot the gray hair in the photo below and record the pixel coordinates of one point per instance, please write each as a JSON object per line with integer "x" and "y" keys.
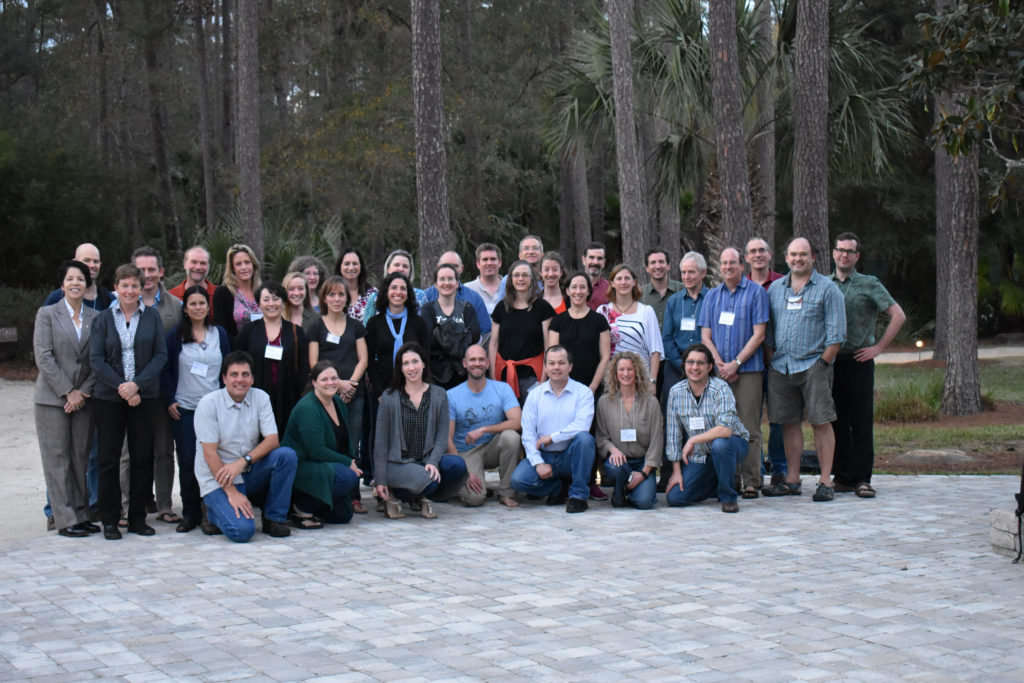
{"x": 702, "y": 264}
{"x": 401, "y": 252}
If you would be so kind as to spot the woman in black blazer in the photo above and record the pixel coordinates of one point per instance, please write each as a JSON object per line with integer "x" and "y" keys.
{"x": 128, "y": 352}
{"x": 281, "y": 350}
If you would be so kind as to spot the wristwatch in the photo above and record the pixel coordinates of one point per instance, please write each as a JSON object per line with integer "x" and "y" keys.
{"x": 248, "y": 462}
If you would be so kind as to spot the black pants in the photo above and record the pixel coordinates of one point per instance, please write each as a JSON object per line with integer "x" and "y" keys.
{"x": 853, "y": 390}
{"x": 115, "y": 420}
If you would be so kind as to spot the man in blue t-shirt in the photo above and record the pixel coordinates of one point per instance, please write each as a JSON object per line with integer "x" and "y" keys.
{"x": 484, "y": 429}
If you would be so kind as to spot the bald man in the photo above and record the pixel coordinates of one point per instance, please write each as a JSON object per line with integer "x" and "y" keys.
{"x": 95, "y": 296}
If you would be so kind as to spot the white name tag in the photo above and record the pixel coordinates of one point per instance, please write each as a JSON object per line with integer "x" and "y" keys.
{"x": 333, "y": 338}
{"x": 696, "y": 424}
{"x": 199, "y": 368}
{"x": 273, "y": 352}
{"x": 255, "y": 316}
{"x": 688, "y": 324}
{"x": 726, "y": 318}
{"x": 627, "y": 435}
{"x": 794, "y": 304}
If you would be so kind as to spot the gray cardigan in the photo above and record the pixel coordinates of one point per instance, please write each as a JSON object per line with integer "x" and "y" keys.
{"x": 390, "y": 468}
{"x": 62, "y": 358}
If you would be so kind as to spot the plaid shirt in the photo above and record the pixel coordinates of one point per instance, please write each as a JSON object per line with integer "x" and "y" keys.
{"x": 718, "y": 408}
{"x": 800, "y": 335}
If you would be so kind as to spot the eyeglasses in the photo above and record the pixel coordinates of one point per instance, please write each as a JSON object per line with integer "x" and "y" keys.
{"x": 521, "y": 275}
{"x": 848, "y": 252}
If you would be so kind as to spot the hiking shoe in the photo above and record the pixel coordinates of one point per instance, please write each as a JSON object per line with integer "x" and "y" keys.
{"x": 823, "y": 493}
{"x": 576, "y": 505}
{"x": 730, "y": 506}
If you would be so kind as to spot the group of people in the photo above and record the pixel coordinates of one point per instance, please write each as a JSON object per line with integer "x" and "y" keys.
{"x": 285, "y": 395}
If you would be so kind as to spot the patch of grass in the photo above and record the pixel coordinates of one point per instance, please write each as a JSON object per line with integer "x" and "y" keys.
{"x": 1002, "y": 379}
{"x": 899, "y": 438}
{"x": 917, "y": 399}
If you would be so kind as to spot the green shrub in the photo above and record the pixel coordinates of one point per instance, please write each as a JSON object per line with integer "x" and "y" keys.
{"x": 19, "y": 310}
{"x": 910, "y": 401}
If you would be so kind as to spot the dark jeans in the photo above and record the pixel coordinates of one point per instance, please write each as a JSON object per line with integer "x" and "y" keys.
{"x": 453, "y": 476}
{"x": 115, "y": 420}
{"x": 713, "y": 477}
{"x": 185, "y": 442}
{"x": 853, "y": 392}
{"x": 574, "y": 462}
{"x": 776, "y": 447}
{"x": 340, "y": 510}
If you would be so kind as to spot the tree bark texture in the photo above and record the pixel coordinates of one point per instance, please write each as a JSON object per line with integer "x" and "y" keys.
{"x": 810, "y": 129}
{"x": 577, "y": 160}
{"x": 227, "y": 84}
{"x": 961, "y": 392}
{"x": 431, "y": 164}
{"x": 632, "y": 182}
{"x": 102, "y": 87}
{"x": 247, "y": 145}
{"x": 204, "y": 116}
{"x": 764, "y": 140}
{"x": 943, "y": 219}
{"x": 157, "y": 126}
{"x": 727, "y": 106}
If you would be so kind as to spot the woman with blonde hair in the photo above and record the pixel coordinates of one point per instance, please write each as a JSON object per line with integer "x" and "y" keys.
{"x": 629, "y": 431}
{"x": 298, "y": 307}
{"x": 234, "y": 302}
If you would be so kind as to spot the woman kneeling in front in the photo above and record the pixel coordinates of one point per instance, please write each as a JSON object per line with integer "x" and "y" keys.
{"x": 409, "y": 461}
{"x": 703, "y": 408}
{"x": 326, "y": 474}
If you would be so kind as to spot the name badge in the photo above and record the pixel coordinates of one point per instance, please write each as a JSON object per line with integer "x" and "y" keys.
{"x": 273, "y": 352}
{"x": 696, "y": 424}
{"x": 199, "y": 368}
{"x": 726, "y": 318}
{"x": 794, "y": 304}
{"x": 688, "y": 324}
{"x": 627, "y": 435}
{"x": 255, "y": 316}
{"x": 333, "y": 338}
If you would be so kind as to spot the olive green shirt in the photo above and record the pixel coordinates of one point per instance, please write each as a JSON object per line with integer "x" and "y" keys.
{"x": 657, "y": 301}
{"x": 865, "y": 298}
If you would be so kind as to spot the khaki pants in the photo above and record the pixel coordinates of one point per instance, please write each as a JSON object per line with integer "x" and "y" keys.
{"x": 747, "y": 390}
{"x": 502, "y": 452}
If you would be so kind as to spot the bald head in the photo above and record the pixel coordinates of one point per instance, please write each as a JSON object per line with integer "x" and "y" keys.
{"x": 731, "y": 267}
{"x": 88, "y": 254}
{"x": 451, "y": 258}
{"x": 475, "y": 362}
{"x": 800, "y": 257}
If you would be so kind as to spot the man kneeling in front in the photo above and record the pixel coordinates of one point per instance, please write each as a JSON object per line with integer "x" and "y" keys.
{"x": 237, "y": 434}
{"x": 556, "y": 435}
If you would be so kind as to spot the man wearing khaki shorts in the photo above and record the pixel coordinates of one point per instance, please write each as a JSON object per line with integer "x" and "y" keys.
{"x": 807, "y": 327}
{"x": 484, "y": 429}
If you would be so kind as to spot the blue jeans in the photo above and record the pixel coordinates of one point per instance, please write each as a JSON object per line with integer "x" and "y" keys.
{"x": 575, "y": 461}
{"x": 272, "y": 474}
{"x": 184, "y": 433}
{"x": 453, "y": 475}
{"x": 713, "y": 477}
{"x": 776, "y": 448}
{"x": 645, "y": 493}
{"x": 340, "y": 509}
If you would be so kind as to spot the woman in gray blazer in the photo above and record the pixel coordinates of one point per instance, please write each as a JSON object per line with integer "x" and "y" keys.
{"x": 412, "y": 435}
{"x": 128, "y": 352}
{"x": 63, "y": 416}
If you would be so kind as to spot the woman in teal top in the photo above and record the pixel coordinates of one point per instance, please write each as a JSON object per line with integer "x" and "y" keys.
{"x": 326, "y": 475}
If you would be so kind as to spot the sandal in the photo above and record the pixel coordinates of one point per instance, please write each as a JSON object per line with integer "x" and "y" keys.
{"x": 304, "y": 520}
{"x": 864, "y": 490}
{"x": 426, "y": 511}
{"x": 783, "y": 489}
{"x": 169, "y": 517}
{"x": 393, "y": 509}
{"x": 750, "y": 493}
{"x": 357, "y": 507}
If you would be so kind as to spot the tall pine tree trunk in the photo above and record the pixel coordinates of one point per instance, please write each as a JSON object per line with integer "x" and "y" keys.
{"x": 576, "y": 157}
{"x": 102, "y": 87}
{"x": 943, "y": 219}
{"x": 431, "y": 163}
{"x": 247, "y": 145}
{"x": 764, "y": 140}
{"x": 731, "y": 152}
{"x": 204, "y": 115}
{"x": 810, "y": 129}
{"x": 632, "y": 181}
{"x": 227, "y": 84}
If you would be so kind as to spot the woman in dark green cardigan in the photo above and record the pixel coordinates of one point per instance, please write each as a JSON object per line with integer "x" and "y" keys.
{"x": 326, "y": 475}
